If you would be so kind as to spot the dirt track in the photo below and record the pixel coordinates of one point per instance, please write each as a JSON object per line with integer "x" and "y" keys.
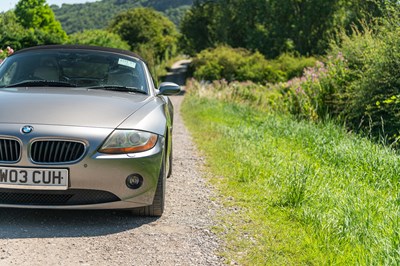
{"x": 180, "y": 237}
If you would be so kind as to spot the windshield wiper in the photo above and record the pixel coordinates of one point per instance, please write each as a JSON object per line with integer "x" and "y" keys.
{"x": 117, "y": 88}
{"x": 39, "y": 83}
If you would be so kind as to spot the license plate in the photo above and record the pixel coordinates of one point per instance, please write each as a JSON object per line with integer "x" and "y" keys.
{"x": 33, "y": 178}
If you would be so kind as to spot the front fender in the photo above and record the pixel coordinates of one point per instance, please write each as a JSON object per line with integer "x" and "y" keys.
{"x": 152, "y": 117}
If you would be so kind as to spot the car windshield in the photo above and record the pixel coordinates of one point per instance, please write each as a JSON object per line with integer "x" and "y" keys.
{"x": 73, "y": 68}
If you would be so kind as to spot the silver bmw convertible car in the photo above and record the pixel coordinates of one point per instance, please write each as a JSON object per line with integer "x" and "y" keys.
{"x": 83, "y": 127}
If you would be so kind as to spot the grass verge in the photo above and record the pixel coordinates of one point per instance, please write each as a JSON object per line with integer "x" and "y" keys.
{"x": 298, "y": 193}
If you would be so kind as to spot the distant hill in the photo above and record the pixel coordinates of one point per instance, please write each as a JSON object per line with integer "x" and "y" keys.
{"x": 97, "y": 15}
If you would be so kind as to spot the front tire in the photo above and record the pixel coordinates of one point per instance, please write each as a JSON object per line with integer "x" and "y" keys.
{"x": 157, "y": 208}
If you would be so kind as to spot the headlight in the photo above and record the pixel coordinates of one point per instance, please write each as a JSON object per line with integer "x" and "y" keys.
{"x": 129, "y": 141}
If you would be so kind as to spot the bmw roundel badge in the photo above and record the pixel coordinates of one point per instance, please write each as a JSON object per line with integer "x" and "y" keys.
{"x": 27, "y": 129}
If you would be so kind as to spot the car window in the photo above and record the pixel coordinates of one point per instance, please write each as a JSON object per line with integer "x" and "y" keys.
{"x": 9, "y": 74}
{"x": 78, "y": 67}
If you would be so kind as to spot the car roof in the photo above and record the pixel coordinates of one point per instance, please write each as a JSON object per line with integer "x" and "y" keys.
{"x": 78, "y": 47}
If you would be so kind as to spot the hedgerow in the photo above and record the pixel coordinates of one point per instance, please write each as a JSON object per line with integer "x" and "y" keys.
{"x": 234, "y": 65}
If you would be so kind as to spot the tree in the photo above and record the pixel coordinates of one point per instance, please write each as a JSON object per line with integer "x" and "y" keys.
{"x": 145, "y": 28}
{"x": 306, "y": 24}
{"x": 198, "y": 27}
{"x": 274, "y": 26}
{"x": 37, "y": 15}
{"x": 11, "y": 32}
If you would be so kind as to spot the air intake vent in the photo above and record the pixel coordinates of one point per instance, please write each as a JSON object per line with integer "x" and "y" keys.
{"x": 57, "y": 151}
{"x": 10, "y": 150}
{"x": 54, "y": 198}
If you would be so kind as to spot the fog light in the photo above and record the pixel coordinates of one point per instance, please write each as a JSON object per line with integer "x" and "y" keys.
{"x": 134, "y": 181}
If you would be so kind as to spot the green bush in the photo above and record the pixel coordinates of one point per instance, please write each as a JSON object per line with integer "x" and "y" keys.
{"x": 293, "y": 65}
{"x": 371, "y": 96}
{"x": 319, "y": 92}
{"x": 99, "y": 38}
{"x": 232, "y": 64}
{"x": 359, "y": 84}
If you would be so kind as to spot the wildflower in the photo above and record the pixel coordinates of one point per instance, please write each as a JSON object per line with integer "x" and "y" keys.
{"x": 5, "y": 53}
{"x": 293, "y": 82}
{"x": 340, "y": 56}
{"x": 10, "y": 50}
{"x": 314, "y": 77}
{"x": 319, "y": 64}
{"x": 299, "y": 90}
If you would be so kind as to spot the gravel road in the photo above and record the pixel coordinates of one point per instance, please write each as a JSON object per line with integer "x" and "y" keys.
{"x": 180, "y": 237}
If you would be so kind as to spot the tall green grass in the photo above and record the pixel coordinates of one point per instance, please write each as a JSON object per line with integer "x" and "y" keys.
{"x": 299, "y": 193}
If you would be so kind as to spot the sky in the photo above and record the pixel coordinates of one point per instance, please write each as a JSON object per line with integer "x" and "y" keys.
{"x": 9, "y": 4}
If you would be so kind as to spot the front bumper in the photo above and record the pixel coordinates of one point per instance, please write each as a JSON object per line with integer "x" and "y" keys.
{"x": 97, "y": 181}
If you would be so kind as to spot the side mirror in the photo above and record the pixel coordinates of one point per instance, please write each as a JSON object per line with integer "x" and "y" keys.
{"x": 169, "y": 88}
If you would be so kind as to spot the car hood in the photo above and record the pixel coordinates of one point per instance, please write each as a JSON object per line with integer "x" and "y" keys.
{"x": 68, "y": 106}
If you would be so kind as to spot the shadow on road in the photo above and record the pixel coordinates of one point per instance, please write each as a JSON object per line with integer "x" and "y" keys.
{"x": 23, "y": 223}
